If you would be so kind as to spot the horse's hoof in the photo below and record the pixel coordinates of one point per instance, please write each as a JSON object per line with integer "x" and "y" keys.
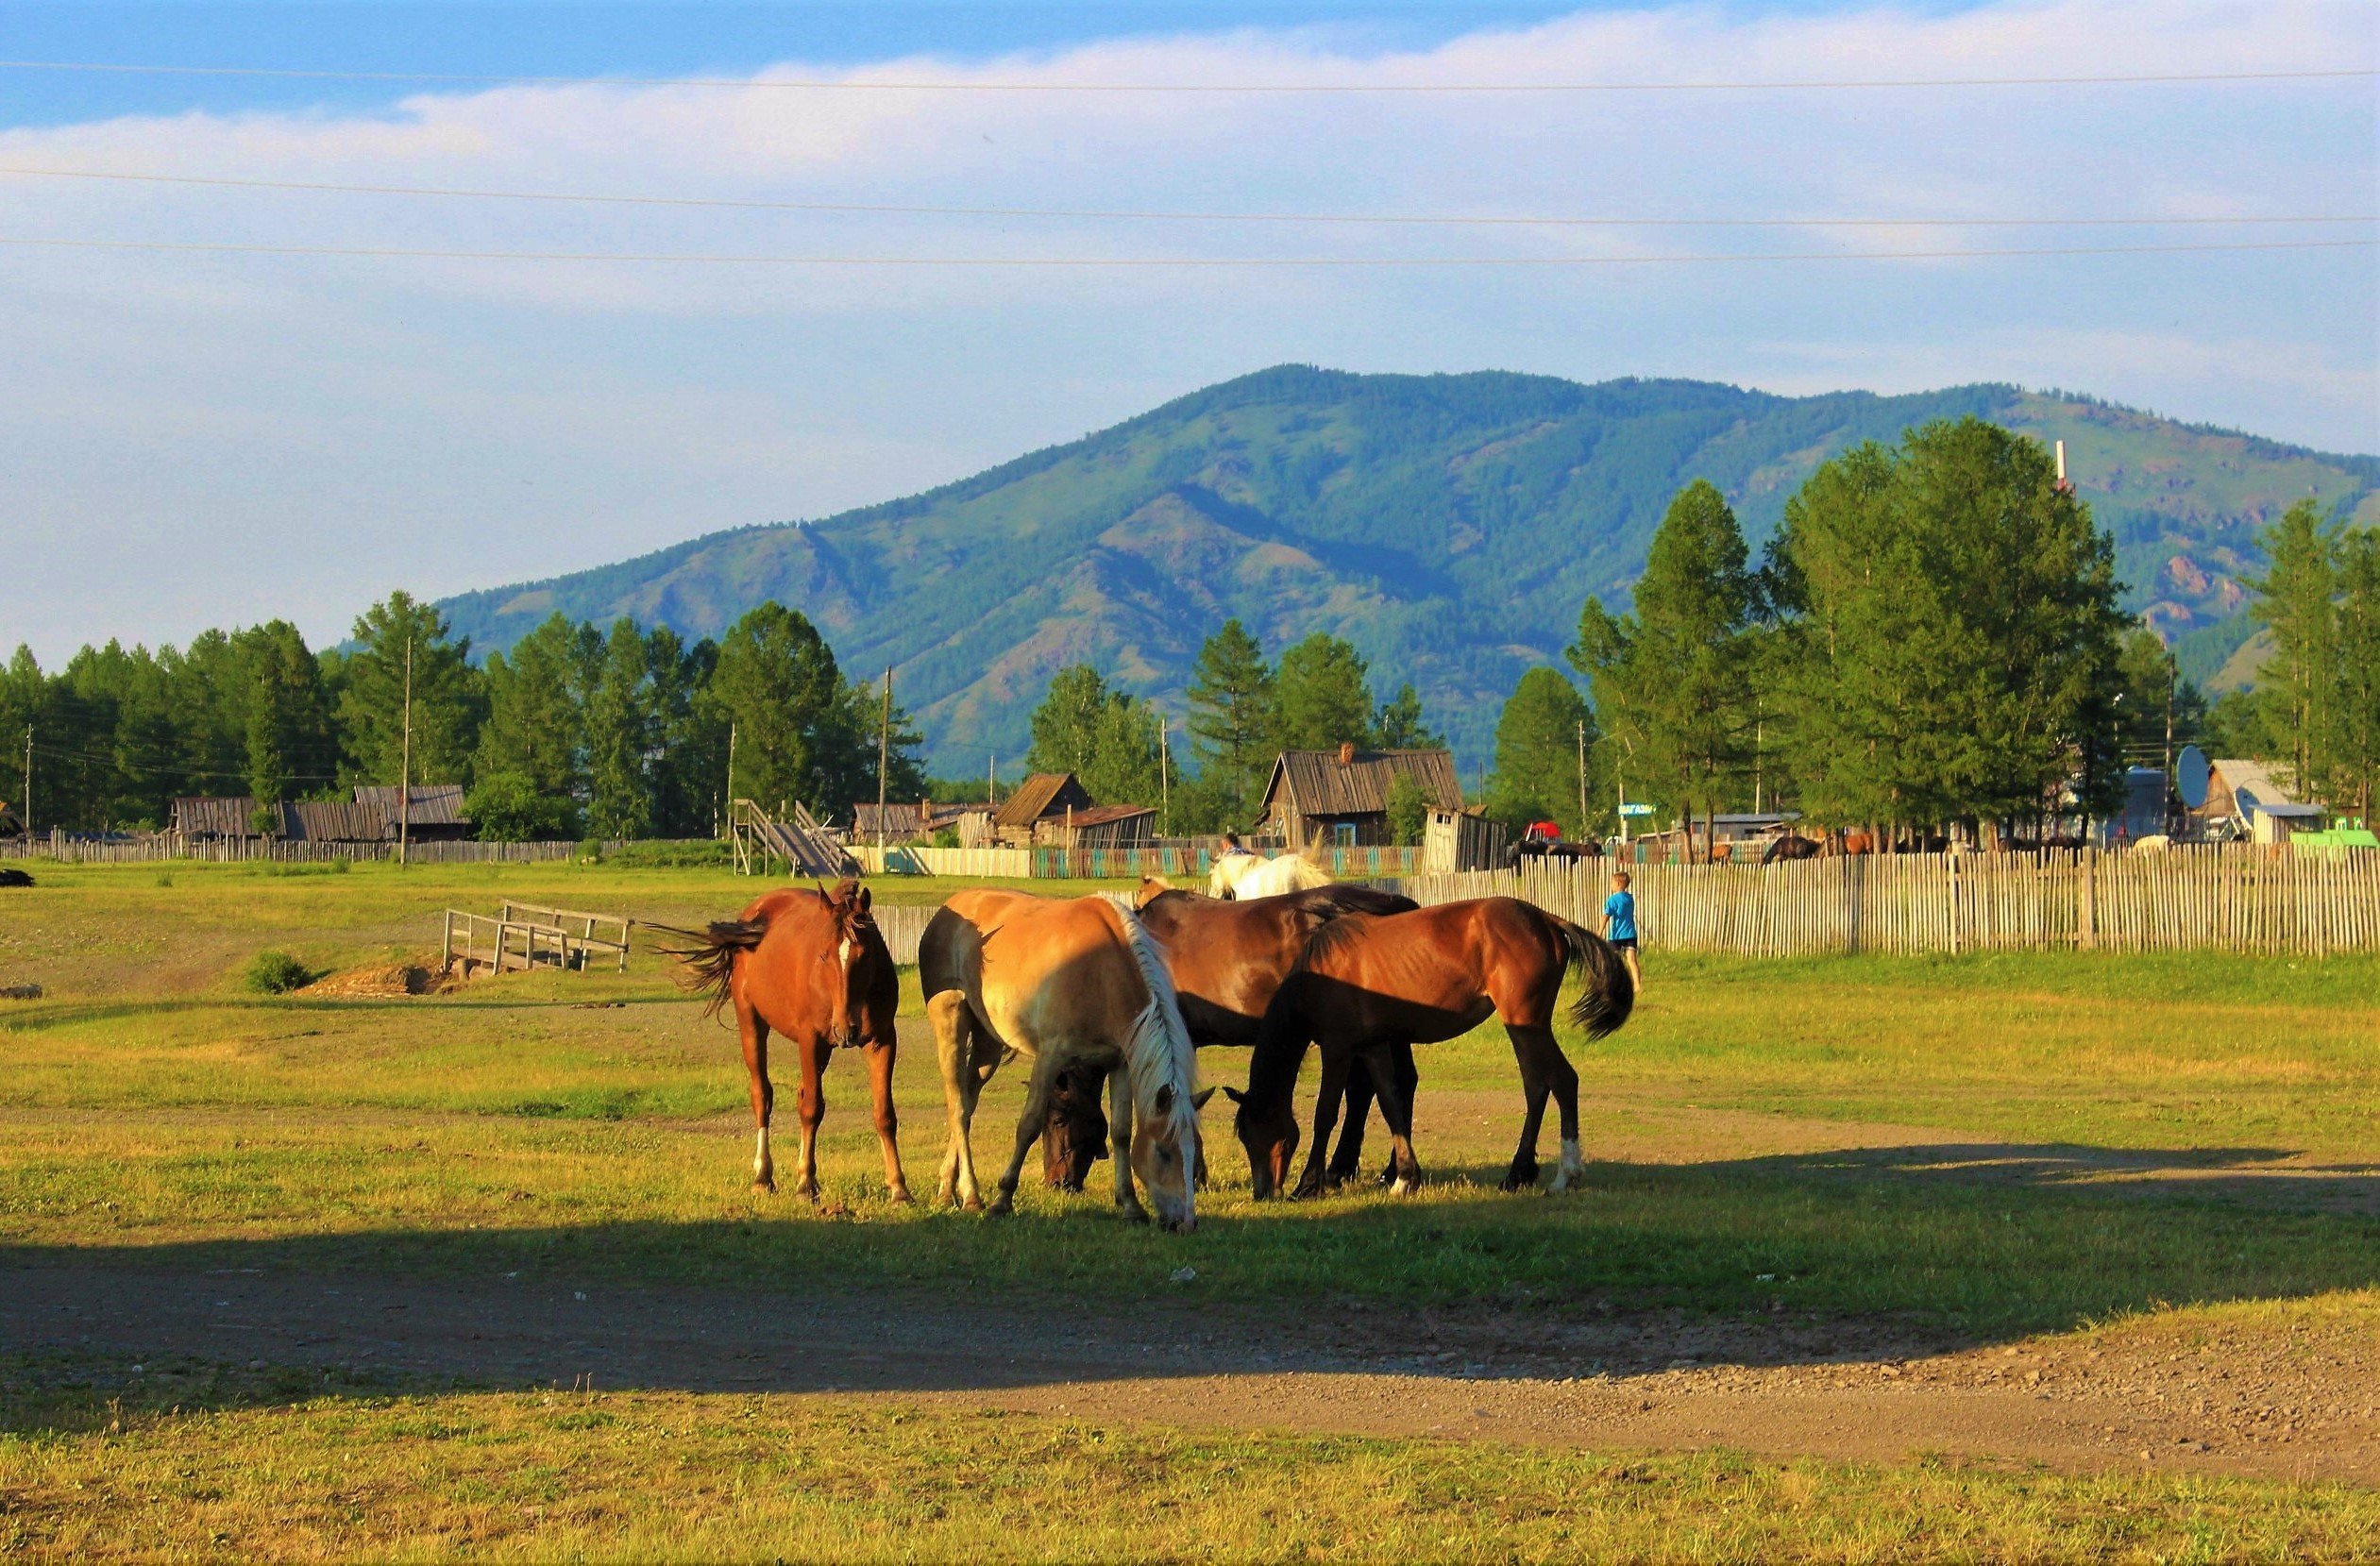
{"x": 973, "y": 1204}
{"x": 1402, "y": 1185}
{"x": 1131, "y": 1212}
{"x": 1521, "y": 1180}
{"x": 901, "y": 1197}
{"x": 766, "y": 1186}
{"x": 999, "y": 1208}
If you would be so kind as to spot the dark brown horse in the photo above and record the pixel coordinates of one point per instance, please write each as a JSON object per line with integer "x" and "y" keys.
{"x": 813, "y": 967}
{"x": 1792, "y": 846}
{"x": 1226, "y": 958}
{"x": 1366, "y": 982}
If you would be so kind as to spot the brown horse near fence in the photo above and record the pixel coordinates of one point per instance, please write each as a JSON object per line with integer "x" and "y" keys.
{"x": 812, "y": 966}
{"x": 1366, "y": 982}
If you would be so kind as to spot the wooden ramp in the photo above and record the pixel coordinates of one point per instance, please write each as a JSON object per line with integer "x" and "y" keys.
{"x": 760, "y": 839}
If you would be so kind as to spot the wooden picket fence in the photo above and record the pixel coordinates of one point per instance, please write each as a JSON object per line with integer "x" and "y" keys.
{"x": 2238, "y": 898}
{"x": 164, "y": 847}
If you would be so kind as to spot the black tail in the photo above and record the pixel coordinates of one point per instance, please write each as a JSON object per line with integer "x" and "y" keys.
{"x": 709, "y": 965}
{"x": 1607, "y": 994}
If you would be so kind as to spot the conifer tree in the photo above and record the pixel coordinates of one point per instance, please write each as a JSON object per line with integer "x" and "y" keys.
{"x": 620, "y": 737}
{"x": 1537, "y": 745}
{"x": 1323, "y": 699}
{"x": 1231, "y": 719}
{"x": 447, "y": 701}
{"x": 288, "y": 748}
{"x": 2297, "y": 688}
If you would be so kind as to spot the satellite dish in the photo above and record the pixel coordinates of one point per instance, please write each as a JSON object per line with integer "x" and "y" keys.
{"x": 2189, "y": 777}
{"x": 2247, "y": 800}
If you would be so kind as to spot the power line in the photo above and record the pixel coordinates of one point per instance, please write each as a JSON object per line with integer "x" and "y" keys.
{"x": 1145, "y": 215}
{"x": 1144, "y": 262}
{"x": 858, "y": 85}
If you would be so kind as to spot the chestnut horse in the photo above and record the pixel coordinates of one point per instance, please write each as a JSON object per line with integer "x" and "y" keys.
{"x": 1368, "y": 982}
{"x": 1074, "y": 983}
{"x": 1226, "y": 958}
{"x": 813, "y": 967}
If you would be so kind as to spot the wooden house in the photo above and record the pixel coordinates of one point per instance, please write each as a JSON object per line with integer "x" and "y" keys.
{"x": 1100, "y": 827}
{"x": 2244, "y": 800}
{"x": 1343, "y": 795}
{"x": 436, "y": 812}
{"x": 210, "y": 819}
{"x": 912, "y": 821}
{"x": 1045, "y": 796}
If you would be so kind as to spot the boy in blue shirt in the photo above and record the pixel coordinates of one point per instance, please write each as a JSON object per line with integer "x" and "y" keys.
{"x": 1619, "y": 926}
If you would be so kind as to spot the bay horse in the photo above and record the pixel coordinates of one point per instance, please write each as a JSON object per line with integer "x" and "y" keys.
{"x": 1369, "y": 981}
{"x": 813, "y": 967}
{"x": 1067, "y": 982}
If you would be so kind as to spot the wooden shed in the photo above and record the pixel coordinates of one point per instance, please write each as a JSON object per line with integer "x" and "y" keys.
{"x": 1344, "y": 793}
{"x": 435, "y": 814}
{"x": 1100, "y": 827}
{"x": 910, "y": 821}
{"x": 212, "y": 818}
{"x": 1045, "y": 796}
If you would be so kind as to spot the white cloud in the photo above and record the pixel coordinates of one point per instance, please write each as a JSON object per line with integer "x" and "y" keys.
{"x": 367, "y": 422}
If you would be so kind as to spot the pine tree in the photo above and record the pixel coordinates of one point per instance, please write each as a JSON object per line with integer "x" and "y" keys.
{"x": 1400, "y": 726}
{"x": 691, "y": 770}
{"x": 1677, "y": 676}
{"x": 2356, "y": 724}
{"x": 288, "y": 748}
{"x": 1537, "y": 747}
{"x": 1231, "y": 719}
{"x": 1323, "y": 699}
{"x": 447, "y": 701}
{"x": 2297, "y": 688}
{"x": 620, "y": 735}
{"x": 537, "y": 718}
{"x": 796, "y": 734}
{"x": 1106, "y": 737}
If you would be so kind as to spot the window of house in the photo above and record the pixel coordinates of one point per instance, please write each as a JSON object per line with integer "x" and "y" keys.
{"x": 1343, "y": 833}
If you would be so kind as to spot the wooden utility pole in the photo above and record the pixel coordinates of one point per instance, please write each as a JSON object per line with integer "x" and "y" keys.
{"x": 1164, "y": 781}
{"x": 27, "y": 804}
{"x": 730, "y": 769}
{"x": 883, "y": 756}
{"x": 405, "y": 765}
{"x": 1583, "y": 779}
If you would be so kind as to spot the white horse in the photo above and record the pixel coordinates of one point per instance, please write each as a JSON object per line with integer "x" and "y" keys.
{"x": 1245, "y": 875}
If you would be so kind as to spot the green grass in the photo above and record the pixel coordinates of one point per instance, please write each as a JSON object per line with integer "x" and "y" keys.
{"x": 1802, "y": 1120}
{"x": 192, "y": 1458}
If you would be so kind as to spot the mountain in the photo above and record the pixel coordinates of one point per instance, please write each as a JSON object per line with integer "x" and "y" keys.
{"x": 1449, "y": 526}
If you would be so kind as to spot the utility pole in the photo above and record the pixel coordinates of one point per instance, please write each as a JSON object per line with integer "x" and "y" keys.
{"x": 2173, "y": 681}
{"x": 1582, "y": 777}
{"x": 27, "y": 804}
{"x": 991, "y": 780}
{"x": 1164, "y": 779}
{"x": 405, "y": 765}
{"x": 883, "y": 756}
{"x": 730, "y": 769}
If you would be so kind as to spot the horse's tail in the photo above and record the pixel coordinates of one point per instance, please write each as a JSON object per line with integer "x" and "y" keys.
{"x": 1607, "y": 994}
{"x": 708, "y": 967}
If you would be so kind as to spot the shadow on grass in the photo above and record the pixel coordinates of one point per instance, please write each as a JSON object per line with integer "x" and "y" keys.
{"x": 1863, "y": 1254}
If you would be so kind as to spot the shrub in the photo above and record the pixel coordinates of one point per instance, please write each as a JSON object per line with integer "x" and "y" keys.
{"x": 671, "y": 853}
{"x": 277, "y": 973}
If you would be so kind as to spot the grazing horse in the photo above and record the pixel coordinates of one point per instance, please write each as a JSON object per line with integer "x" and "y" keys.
{"x": 1433, "y": 974}
{"x": 1243, "y": 876}
{"x": 1792, "y": 846}
{"x": 1069, "y": 983}
{"x": 813, "y": 967}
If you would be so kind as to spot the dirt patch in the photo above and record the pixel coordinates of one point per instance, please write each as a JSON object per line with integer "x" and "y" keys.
{"x": 2295, "y": 1397}
{"x": 383, "y": 981}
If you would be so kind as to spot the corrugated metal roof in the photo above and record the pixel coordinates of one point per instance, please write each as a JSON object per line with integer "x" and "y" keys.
{"x": 1042, "y": 793}
{"x": 433, "y": 805}
{"x": 1318, "y": 784}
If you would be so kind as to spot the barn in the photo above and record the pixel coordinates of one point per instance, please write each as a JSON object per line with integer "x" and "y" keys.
{"x": 436, "y": 812}
{"x": 1343, "y": 795}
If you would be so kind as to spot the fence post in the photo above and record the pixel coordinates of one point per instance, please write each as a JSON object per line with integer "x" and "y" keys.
{"x": 2086, "y": 906}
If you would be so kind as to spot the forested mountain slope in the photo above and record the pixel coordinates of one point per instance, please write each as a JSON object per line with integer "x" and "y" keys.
{"x": 1449, "y": 526}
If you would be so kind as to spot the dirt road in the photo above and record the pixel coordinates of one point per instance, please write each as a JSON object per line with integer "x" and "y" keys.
{"x": 2298, "y": 1400}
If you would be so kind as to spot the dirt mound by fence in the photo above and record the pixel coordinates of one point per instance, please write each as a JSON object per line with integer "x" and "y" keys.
{"x": 383, "y": 981}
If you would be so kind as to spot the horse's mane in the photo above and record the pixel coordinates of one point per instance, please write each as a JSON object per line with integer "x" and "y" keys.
{"x": 1323, "y": 903}
{"x": 1157, "y": 1052}
{"x": 1341, "y": 931}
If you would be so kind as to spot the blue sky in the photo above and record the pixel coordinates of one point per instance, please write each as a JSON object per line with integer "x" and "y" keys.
{"x": 198, "y": 438}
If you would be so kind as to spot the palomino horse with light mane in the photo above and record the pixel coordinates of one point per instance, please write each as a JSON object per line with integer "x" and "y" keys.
{"x": 1244, "y": 876}
{"x": 1366, "y": 984}
{"x": 1068, "y": 984}
{"x": 813, "y": 967}
{"x": 1226, "y": 958}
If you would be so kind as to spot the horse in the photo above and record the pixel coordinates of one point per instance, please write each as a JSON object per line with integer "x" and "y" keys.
{"x": 1790, "y": 846}
{"x": 813, "y": 967}
{"x": 1367, "y": 982}
{"x": 1245, "y": 875}
{"x": 1068, "y": 983}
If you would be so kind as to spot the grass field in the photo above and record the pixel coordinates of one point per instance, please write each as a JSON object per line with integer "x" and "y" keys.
{"x": 1770, "y": 1138}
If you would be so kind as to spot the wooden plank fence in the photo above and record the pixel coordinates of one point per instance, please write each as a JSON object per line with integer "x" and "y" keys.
{"x": 244, "y": 850}
{"x": 2241, "y": 898}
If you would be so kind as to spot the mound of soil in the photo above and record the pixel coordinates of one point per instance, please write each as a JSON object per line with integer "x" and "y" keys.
{"x": 383, "y": 982}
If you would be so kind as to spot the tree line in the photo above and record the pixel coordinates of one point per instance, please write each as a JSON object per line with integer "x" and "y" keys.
{"x": 575, "y": 731}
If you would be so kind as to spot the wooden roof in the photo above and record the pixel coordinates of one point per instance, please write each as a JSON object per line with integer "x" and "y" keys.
{"x": 911, "y": 814}
{"x": 1318, "y": 783}
{"x": 433, "y": 805}
{"x": 196, "y": 816}
{"x": 1044, "y": 794}
{"x": 1099, "y": 815}
{"x": 337, "y": 822}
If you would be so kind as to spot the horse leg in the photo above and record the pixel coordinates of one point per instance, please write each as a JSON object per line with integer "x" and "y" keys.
{"x": 755, "y": 1034}
{"x": 1120, "y": 1143}
{"x": 953, "y": 1028}
{"x": 812, "y": 1108}
{"x": 1396, "y": 1108}
{"x": 1565, "y": 1077}
{"x": 1347, "y": 1163}
{"x": 1531, "y": 1058}
{"x": 1326, "y": 1100}
{"x": 879, "y": 1062}
{"x": 1029, "y": 1127}
{"x": 1395, "y": 1062}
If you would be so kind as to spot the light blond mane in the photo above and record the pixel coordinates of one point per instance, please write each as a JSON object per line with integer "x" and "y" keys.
{"x": 1157, "y": 1052}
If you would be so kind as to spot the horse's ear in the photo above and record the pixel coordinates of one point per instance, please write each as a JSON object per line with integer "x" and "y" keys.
{"x": 1198, "y": 1099}
{"x": 866, "y": 899}
{"x": 1235, "y": 1095}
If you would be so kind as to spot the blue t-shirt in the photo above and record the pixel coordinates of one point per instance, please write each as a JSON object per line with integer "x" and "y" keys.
{"x": 1620, "y": 908}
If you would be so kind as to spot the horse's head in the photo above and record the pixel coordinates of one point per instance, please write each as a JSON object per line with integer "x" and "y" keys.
{"x": 1152, "y": 888}
{"x": 1270, "y": 1137}
{"x": 1074, "y": 1136}
{"x": 1165, "y": 1157}
{"x": 847, "y": 960}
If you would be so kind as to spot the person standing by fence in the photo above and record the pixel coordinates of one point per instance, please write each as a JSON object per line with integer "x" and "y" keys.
{"x": 1619, "y": 925}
